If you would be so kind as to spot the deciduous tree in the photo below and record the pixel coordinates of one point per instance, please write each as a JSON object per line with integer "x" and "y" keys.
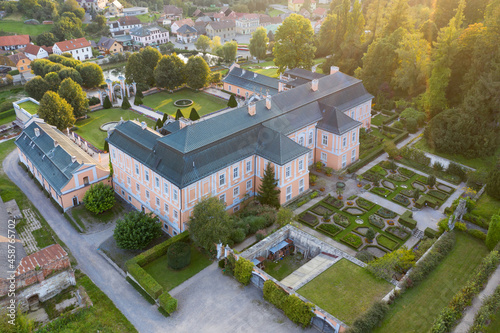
{"x": 56, "y": 111}
{"x": 53, "y": 81}
{"x": 258, "y": 43}
{"x": 196, "y": 72}
{"x": 493, "y": 184}
{"x": 169, "y": 73}
{"x": 136, "y": 230}
{"x": 75, "y": 96}
{"x": 493, "y": 236}
{"x": 202, "y": 44}
{"x": 91, "y": 74}
{"x": 99, "y": 198}
{"x": 36, "y": 87}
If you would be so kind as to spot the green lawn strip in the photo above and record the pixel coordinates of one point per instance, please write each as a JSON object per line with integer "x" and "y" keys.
{"x": 387, "y": 242}
{"x": 280, "y": 269}
{"x": 8, "y": 120}
{"x": 476, "y": 163}
{"x": 378, "y": 119}
{"x": 203, "y": 103}
{"x": 486, "y": 207}
{"x": 29, "y": 106}
{"x": 169, "y": 278}
{"x": 89, "y": 128}
{"x": 43, "y": 238}
{"x": 24, "y": 29}
{"x": 274, "y": 12}
{"x": 345, "y": 290}
{"x": 82, "y": 215}
{"x": 418, "y": 307}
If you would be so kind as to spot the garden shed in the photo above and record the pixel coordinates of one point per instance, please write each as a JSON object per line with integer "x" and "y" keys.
{"x": 281, "y": 249}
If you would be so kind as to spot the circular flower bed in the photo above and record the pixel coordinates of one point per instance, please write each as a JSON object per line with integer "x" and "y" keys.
{"x": 183, "y": 103}
{"x": 359, "y": 221}
{"x": 108, "y": 126}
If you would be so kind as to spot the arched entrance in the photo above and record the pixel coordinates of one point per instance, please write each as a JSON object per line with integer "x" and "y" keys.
{"x": 257, "y": 280}
{"x": 323, "y": 325}
{"x": 33, "y": 302}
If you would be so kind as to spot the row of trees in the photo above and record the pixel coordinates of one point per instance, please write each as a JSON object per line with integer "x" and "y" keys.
{"x": 226, "y": 52}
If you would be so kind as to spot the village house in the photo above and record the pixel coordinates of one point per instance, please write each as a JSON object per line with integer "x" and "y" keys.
{"x": 22, "y": 62}
{"x": 109, "y": 45}
{"x": 247, "y": 24}
{"x": 134, "y": 11}
{"x": 64, "y": 169}
{"x": 177, "y": 24}
{"x": 320, "y": 12}
{"x": 96, "y": 5}
{"x": 225, "y": 156}
{"x": 123, "y": 25}
{"x": 225, "y": 29}
{"x": 245, "y": 83}
{"x": 9, "y": 43}
{"x": 79, "y": 48}
{"x": 36, "y": 52}
{"x": 115, "y": 8}
{"x": 186, "y": 34}
{"x": 172, "y": 12}
{"x": 296, "y": 5}
{"x": 147, "y": 35}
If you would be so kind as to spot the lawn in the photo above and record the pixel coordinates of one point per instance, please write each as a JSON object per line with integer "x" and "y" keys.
{"x": 345, "y": 290}
{"x": 84, "y": 218}
{"x": 486, "y": 206}
{"x": 476, "y": 163}
{"x": 494, "y": 326}
{"x": 378, "y": 119}
{"x": 89, "y": 128}
{"x": 24, "y": 29}
{"x": 103, "y": 316}
{"x": 170, "y": 278}
{"x": 203, "y": 103}
{"x": 274, "y": 12}
{"x": 29, "y": 106}
{"x": 144, "y": 18}
{"x": 417, "y": 309}
{"x": 280, "y": 269}
{"x": 7, "y": 120}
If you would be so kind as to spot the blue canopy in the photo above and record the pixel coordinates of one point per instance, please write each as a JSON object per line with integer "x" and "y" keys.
{"x": 278, "y": 247}
{"x": 255, "y": 261}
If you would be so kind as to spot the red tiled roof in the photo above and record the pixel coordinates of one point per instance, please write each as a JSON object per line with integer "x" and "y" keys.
{"x": 320, "y": 11}
{"x": 14, "y": 40}
{"x": 187, "y": 21}
{"x": 32, "y": 49}
{"x": 73, "y": 44}
{"x": 48, "y": 49}
{"x": 17, "y": 57}
{"x": 41, "y": 258}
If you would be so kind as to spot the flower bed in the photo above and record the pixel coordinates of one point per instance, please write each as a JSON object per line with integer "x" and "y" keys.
{"x": 361, "y": 230}
{"x": 341, "y": 220}
{"x": 334, "y": 202}
{"x": 389, "y": 185}
{"x": 398, "y": 232}
{"x": 372, "y": 177}
{"x": 387, "y": 242}
{"x": 444, "y": 188}
{"x": 352, "y": 240}
{"x": 329, "y": 229}
{"x": 386, "y": 213}
{"x": 309, "y": 219}
{"x": 401, "y": 199}
{"x": 408, "y": 193}
{"x": 365, "y": 204}
{"x": 438, "y": 194}
{"x": 377, "y": 169}
{"x": 321, "y": 210}
{"x": 354, "y": 211}
{"x": 406, "y": 172}
{"x": 376, "y": 221}
{"x": 398, "y": 178}
{"x": 418, "y": 186}
{"x": 381, "y": 191}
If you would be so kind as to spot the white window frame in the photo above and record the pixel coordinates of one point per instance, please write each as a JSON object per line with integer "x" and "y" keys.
{"x": 344, "y": 160}
{"x": 324, "y": 140}
{"x": 138, "y": 188}
{"x": 301, "y": 165}
{"x": 249, "y": 166}
{"x": 165, "y": 207}
{"x": 324, "y": 157}
{"x": 301, "y": 185}
{"x": 301, "y": 140}
{"x": 157, "y": 202}
{"x": 310, "y": 139}
{"x": 249, "y": 184}
{"x": 236, "y": 191}
{"x": 165, "y": 189}
{"x": 354, "y": 136}
{"x": 222, "y": 179}
{"x": 288, "y": 171}
{"x": 157, "y": 182}
{"x": 176, "y": 214}
{"x": 146, "y": 175}
{"x": 353, "y": 155}
{"x": 137, "y": 169}
{"x": 175, "y": 195}
{"x": 147, "y": 195}
{"x": 344, "y": 142}
{"x": 128, "y": 181}
{"x": 236, "y": 173}
{"x": 289, "y": 193}
{"x": 222, "y": 198}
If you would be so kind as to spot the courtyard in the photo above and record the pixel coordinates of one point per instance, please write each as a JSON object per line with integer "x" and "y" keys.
{"x": 29, "y": 106}
{"x": 89, "y": 128}
{"x": 202, "y": 102}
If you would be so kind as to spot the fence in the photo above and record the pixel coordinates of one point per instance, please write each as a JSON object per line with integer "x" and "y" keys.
{"x": 89, "y": 145}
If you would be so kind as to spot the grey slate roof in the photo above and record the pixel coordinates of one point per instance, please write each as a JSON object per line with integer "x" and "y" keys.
{"x": 54, "y": 163}
{"x": 186, "y": 29}
{"x": 252, "y": 81}
{"x": 106, "y": 42}
{"x": 145, "y": 30}
{"x": 304, "y": 74}
{"x": 200, "y": 149}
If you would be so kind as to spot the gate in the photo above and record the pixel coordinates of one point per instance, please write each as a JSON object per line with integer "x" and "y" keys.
{"x": 321, "y": 324}
{"x": 257, "y": 281}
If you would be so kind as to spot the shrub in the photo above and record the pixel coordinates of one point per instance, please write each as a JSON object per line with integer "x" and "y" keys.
{"x": 456, "y": 170}
{"x": 179, "y": 255}
{"x": 365, "y": 256}
{"x": 125, "y": 104}
{"x": 298, "y": 311}
{"x": 461, "y": 226}
{"x": 438, "y": 166}
{"x": 94, "y": 100}
{"x": 107, "y": 103}
{"x": 431, "y": 233}
{"x": 407, "y": 221}
{"x": 137, "y": 100}
{"x": 243, "y": 270}
{"x": 329, "y": 229}
{"x": 370, "y": 319}
{"x": 477, "y": 233}
{"x": 490, "y": 307}
{"x": 167, "y": 302}
{"x": 493, "y": 183}
{"x": 411, "y": 125}
{"x": 255, "y": 223}
{"x": 222, "y": 263}
{"x": 493, "y": 236}
{"x": 232, "y": 102}
{"x": 431, "y": 180}
{"x": 146, "y": 281}
{"x": 136, "y": 230}
{"x": 477, "y": 220}
{"x": 238, "y": 235}
{"x": 99, "y": 198}
{"x": 274, "y": 294}
{"x": 370, "y": 233}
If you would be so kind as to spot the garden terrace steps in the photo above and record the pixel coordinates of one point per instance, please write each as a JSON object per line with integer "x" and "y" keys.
{"x": 309, "y": 271}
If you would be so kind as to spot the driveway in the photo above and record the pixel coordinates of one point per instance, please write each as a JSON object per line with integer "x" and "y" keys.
{"x": 208, "y": 302}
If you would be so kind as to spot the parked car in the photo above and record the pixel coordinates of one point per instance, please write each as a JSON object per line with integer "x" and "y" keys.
{"x": 100, "y": 57}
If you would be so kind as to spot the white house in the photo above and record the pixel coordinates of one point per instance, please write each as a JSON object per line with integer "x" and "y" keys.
{"x": 133, "y": 11}
{"x": 35, "y": 52}
{"x": 177, "y": 24}
{"x": 79, "y": 48}
{"x": 149, "y": 35}
{"x": 96, "y": 5}
{"x": 186, "y": 34}
{"x": 125, "y": 24}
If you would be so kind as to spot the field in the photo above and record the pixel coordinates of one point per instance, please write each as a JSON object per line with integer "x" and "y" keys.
{"x": 31, "y": 107}
{"x": 345, "y": 290}
{"x": 170, "y": 278}
{"x": 89, "y": 128}
{"x": 417, "y": 309}
{"x": 203, "y": 103}
{"x": 476, "y": 163}
{"x": 274, "y": 12}
{"x": 24, "y": 29}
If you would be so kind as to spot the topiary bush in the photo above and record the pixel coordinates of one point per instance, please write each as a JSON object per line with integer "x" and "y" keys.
{"x": 179, "y": 255}
{"x": 243, "y": 270}
{"x": 167, "y": 302}
{"x": 107, "y": 103}
{"x": 125, "y": 104}
{"x": 238, "y": 235}
{"x": 99, "y": 198}
{"x": 136, "y": 230}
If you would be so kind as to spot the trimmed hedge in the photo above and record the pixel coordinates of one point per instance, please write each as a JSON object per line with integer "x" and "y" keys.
{"x": 141, "y": 291}
{"x": 477, "y": 233}
{"x": 157, "y": 251}
{"x": 167, "y": 303}
{"x": 370, "y": 319}
{"x": 426, "y": 199}
{"x": 329, "y": 229}
{"x": 146, "y": 281}
{"x": 274, "y": 294}
{"x": 431, "y": 233}
{"x": 407, "y": 220}
{"x": 390, "y": 119}
{"x": 243, "y": 270}
{"x": 364, "y": 161}
{"x": 7, "y": 113}
{"x": 477, "y": 220}
{"x": 462, "y": 299}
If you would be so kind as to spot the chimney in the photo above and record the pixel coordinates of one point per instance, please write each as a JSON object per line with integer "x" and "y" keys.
{"x": 143, "y": 125}
{"x": 56, "y": 143}
{"x": 280, "y": 86}
{"x": 251, "y": 109}
{"x": 268, "y": 102}
{"x": 333, "y": 69}
{"x": 183, "y": 122}
{"x": 73, "y": 159}
{"x": 37, "y": 132}
{"x": 314, "y": 85}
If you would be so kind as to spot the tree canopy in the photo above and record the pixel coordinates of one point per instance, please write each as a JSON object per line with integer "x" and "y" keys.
{"x": 169, "y": 73}
{"x": 56, "y": 111}
{"x": 258, "y": 43}
{"x": 75, "y": 96}
{"x": 196, "y": 72}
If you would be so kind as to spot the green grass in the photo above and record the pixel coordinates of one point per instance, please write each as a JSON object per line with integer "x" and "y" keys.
{"x": 476, "y": 163}
{"x": 486, "y": 206}
{"x": 387, "y": 242}
{"x": 43, "y": 238}
{"x": 103, "y": 316}
{"x": 274, "y": 12}
{"x": 377, "y": 120}
{"x": 345, "y": 290}
{"x": 494, "y": 326}
{"x": 83, "y": 217}
{"x": 29, "y": 106}
{"x": 24, "y": 29}
{"x": 203, "y": 103}
{"x": 280, "y": 269}
{"x": 144, "y": 18}
{"x": 170, "y": 278}
{"x": 89, "y": 128}
{"x": 418, "y": 307}
{"x": 7, "y": 120}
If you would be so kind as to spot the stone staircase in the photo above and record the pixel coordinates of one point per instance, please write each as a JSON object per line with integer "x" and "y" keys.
{"x": 418, "y": 233}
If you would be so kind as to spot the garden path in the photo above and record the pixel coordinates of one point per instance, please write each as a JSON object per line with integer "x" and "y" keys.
{"x": 309, "y": 271}
{"x": 144, "y": 111}
{"x": 468, "y": 318}
{"x": 398, "y": 209}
